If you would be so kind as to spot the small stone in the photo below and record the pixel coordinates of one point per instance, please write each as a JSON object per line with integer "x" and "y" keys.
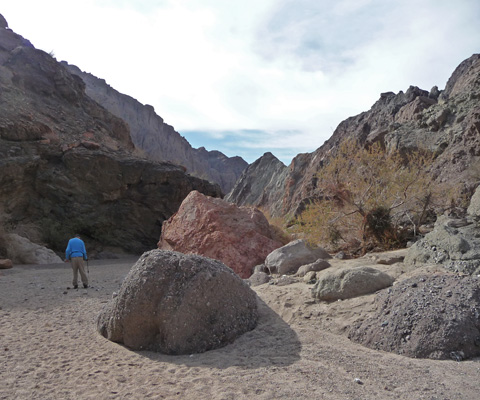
{"x": 357, "y": 380}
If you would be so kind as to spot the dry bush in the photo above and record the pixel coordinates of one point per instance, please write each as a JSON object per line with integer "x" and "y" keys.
{"x": 371, "y": 199}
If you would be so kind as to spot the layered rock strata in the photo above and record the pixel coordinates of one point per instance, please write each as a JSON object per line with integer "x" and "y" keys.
{"x": 158, "y": 140}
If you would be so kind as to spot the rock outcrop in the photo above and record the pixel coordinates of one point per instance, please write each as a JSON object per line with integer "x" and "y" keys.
{"x": 289, "y": 258}
{"x": 346, "y": 283}
{"x": 240, "y": 237}
{"x": 428, "y": 316}
{"x": 179, "y": 304}
{"x": 158, "y": 140}
{"x": 445, "y": 123}
{"x": 68, "y": 165}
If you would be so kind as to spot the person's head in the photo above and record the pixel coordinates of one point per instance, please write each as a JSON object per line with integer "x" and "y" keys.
{"x": 77, "y": 235}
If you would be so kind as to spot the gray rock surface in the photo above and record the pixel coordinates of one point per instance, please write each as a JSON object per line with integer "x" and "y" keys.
{"x": 474, "y": 207}
{"x": 345, "y": 283}
{"x": 428, "y": 316}
{"x": 259, "y": 278}
{"x": 289, "y": 258}
{"x": 179, "y": 304}
{"x": 454, "y": 243}
{"x": 318, "y": 265}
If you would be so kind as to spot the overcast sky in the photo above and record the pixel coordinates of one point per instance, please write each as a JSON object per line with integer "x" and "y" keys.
{"x": 249, "y": 76}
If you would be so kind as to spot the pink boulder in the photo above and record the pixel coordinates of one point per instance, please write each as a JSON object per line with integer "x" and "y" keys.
{"x": 240, "y": 237}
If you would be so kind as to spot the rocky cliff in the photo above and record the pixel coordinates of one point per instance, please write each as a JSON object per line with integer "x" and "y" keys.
{"x": 158, "y": 140}
{"x": 446, "y": 123}
{"x": 67, "y": 164}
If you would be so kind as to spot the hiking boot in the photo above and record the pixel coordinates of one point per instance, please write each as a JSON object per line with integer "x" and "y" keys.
{"x": 85, "y": 285}
{"x": 75, "y": 286}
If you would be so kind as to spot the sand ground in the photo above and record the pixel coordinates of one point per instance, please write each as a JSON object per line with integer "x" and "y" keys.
{"x": 50, "y": 349}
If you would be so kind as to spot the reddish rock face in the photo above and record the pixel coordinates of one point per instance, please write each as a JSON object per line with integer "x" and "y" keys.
{"x": 240, "y": 237}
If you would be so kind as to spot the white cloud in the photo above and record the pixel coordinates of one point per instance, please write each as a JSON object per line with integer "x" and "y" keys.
{"x": 287, "y": 71}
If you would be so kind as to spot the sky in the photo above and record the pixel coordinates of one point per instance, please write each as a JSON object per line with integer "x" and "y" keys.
{"x": 249, "y": 76}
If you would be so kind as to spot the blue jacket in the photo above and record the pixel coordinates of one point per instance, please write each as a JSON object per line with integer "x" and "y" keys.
{"x": 76, "y": 248}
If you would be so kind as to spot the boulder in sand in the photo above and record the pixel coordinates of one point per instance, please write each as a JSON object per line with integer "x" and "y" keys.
{"x": 240, "y": 237}
{"x": 318, "y": 265}
{"x": 346, "y": 283}
{"x": 428, "y": 316}
{"x": 289, "y": 258}
{"x": 22, "y": 251}
{"x": 175, "y": 303}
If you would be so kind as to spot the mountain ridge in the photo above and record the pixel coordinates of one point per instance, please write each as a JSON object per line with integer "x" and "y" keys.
{"x": 445, "y": 123}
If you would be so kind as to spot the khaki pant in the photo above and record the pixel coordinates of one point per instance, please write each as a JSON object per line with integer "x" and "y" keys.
{"x": 77, "y": 265}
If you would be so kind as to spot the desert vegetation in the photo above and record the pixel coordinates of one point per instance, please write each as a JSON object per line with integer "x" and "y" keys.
{"x": 369, "y": 199}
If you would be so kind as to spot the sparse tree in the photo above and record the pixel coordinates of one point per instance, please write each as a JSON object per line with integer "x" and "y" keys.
{"x": 370, "y": 198}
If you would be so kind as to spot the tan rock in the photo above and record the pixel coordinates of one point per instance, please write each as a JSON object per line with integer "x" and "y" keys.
{"x": 310, "y": 276}
{"x": 22, "y": 251}
{"x": 6, "y": 264}
{"x": 240, "y": 237}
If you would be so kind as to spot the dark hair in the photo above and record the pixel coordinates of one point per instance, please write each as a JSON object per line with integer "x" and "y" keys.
{"x": 77, "y": 235}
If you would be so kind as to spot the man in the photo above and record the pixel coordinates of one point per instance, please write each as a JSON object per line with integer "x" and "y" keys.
{"x": 76, "y": 252}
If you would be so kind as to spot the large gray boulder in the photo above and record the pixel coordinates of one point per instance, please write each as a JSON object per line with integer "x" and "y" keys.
{"x": 175, "y": 303}
{"x": 289, "y": 258}
{"x": 346, "y": 283}
{"x": 428, "y": 316}
{"x": 453, "y": 243}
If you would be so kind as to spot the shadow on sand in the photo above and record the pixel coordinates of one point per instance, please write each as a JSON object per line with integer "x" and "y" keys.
{"x": 271, "y": 343}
